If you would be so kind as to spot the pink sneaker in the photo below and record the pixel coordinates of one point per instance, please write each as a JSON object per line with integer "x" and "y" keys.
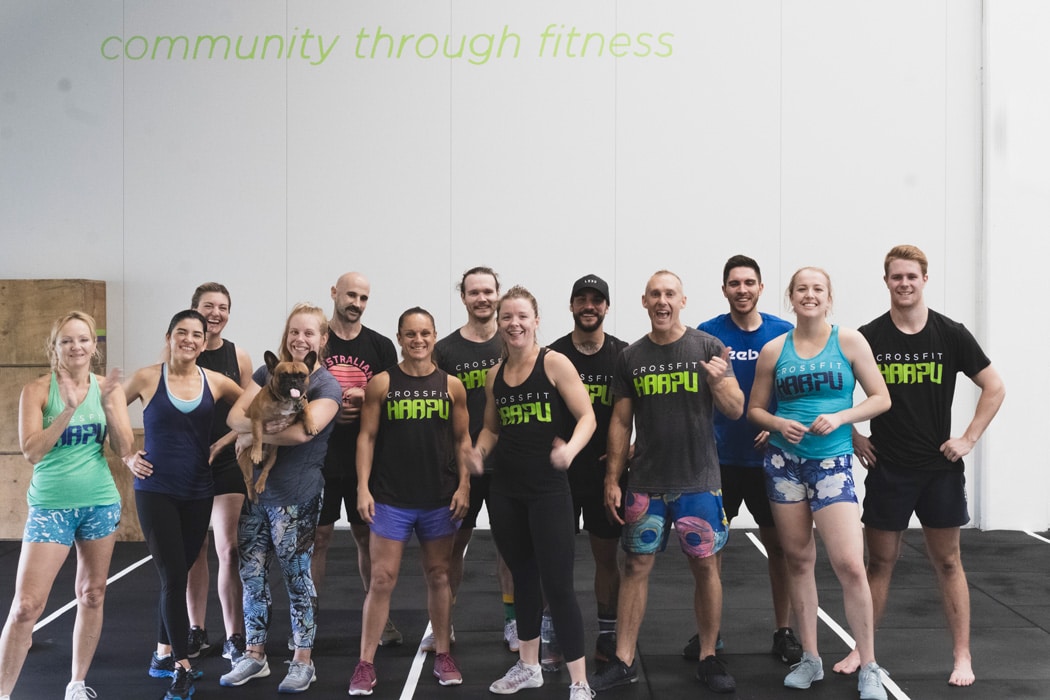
{"x": 364, "y": 679}
{"x": 446, "y": 671}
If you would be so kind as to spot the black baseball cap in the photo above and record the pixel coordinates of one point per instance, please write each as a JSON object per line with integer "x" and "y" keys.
{"x": 591, "y": 282}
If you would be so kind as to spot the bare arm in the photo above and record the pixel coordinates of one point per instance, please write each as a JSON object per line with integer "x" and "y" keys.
{"x": 725, "y": 390}
{"x": 34, "y": 439}
{"x": 115, "y": 406}
{"x": 617, "y": 450}
{"x": 489, "y": 434}
{"x": 461, "y": 438}
{"x": 993, "y": 391}
{"x": 877, "y": 399}
{"x": 366, "y": 443}
{"x": 566, "y": 380}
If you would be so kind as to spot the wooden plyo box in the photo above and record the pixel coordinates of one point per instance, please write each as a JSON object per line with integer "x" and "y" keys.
{"x": 27, "y": 310}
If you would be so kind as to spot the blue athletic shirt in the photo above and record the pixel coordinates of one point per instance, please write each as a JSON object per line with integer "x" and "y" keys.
{"x": 736, "y": 438}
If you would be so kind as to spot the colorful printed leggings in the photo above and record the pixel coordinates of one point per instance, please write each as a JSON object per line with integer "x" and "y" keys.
{"x": 287, "y": 533}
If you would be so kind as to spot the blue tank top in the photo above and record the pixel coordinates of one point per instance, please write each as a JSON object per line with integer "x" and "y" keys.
{"x": 807, "y": 387}
{"x": 177, "y": 445}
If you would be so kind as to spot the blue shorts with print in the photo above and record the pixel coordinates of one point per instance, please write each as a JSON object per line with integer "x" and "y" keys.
{"x": 64, "y": 525}
{"x": 393, "y": 523}
{"x": 820, "y": 482}
{"x": 698, "y": 518}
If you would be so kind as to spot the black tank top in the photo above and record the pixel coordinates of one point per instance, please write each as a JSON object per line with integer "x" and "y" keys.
{"x": 224, "y": 361}
{"x": 531, "y": 415}
{"x": 414, "y": 463}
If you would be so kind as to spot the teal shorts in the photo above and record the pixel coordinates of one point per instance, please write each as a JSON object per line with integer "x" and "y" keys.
{"x": 64, "y": 525}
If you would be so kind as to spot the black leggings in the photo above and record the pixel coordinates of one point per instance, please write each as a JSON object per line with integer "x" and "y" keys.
{"x": 174, "y": 531}
{"x": 536, "y": 538}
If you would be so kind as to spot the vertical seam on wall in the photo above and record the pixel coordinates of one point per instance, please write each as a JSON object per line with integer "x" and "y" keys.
{"x": 980, "y": 268}
{"x": 287, "y": 194}
{"x": 123, "y": 204}
{"x": 451, "y": 183}
{"x": 780, "y": 148}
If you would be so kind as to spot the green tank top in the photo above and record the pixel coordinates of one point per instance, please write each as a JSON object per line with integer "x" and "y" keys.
{"x": 74, "y": 473}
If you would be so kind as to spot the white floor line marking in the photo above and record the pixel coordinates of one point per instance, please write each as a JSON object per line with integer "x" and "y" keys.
{"x": 73, "y": 603}
{"x": 1038, "y": 537}
{"x": 838, "y": 630}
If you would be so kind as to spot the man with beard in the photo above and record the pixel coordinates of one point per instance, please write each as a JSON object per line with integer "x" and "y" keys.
{"x": 594, "y": 353}
{"x": 741, "y": 446}
{"x": 468, "y": 353}
{"x": 354, "y": 355}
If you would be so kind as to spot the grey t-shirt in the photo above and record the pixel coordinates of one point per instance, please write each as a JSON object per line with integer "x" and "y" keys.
{"x": 675, "y": 449}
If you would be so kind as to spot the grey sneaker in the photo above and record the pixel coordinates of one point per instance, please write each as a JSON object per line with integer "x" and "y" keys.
{"x": 76, "y": 690}
{"x": 805, "y": 672}
{"x": 299, "y": 677}
{"x": 869, "y": 683}
{"x": 246, "y": 668}
{"x": 518, "y": 678}
{"x": 390, "y": 637}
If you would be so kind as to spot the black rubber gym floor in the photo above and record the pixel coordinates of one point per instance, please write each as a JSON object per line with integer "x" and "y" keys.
{"x": 1008, "y": 571}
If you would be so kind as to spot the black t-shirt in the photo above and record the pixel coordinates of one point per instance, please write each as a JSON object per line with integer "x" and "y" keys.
{"x": 353, "y": 363}
{"x": 920, "y": 372}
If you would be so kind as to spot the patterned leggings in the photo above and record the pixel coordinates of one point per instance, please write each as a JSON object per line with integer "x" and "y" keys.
{"x": 287, "y": 533}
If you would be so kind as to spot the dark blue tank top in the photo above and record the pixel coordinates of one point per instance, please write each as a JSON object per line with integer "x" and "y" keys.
{"x": 177, "y": 444}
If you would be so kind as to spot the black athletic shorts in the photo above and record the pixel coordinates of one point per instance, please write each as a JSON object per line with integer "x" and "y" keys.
{"x": 892, "y": 494}
{"x": 746, "y": 485}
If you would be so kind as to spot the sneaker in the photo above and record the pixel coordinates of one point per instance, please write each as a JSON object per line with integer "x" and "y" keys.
{"x": 364, "y": 679}
{"x": 428, "y": 644}
{"x": 76, "y": 690}
{"x": 510, "y": 635}
{"x": 802, "y": 675}
{"x": 612, "y": 674}
{"x": 787, "y": 646}
{"x": 299, "y": 677}
{"x": 390, "y": 637}
{"x": 869, "y": 682}
{"x": 181, "y": 685}
{"x": 165, "y": 668}
{"x": 196, "y": 642}
{"x": 691, "y": 650}
{"x": 244, "y": 669}
{"x": 446, "y": 671}
{"x": 519, "y": 677}
{"x": 605, "y": 647}
{"x": 712, "y": 672}
{"x": 580, "y": 691}
{"x": 233, "y": 648}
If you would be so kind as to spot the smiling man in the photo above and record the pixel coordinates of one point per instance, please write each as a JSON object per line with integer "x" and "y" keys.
{"x": 741, "y": 446}
{"x": 668, "y": 385}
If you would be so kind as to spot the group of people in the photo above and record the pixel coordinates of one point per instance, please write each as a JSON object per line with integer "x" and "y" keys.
{"x": 747, "y": 409}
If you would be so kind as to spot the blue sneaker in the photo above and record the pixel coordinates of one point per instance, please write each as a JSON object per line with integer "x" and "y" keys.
{"x": 805, "y": 672}
{"x": 869, "y": 683}
{"x": 165, "y": 668}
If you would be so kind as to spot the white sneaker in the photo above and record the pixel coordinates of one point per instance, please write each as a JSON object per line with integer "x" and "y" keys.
{"x": 76, "y": 690}
{"x": 580, "y": 691}
{"x": 510, "y": 635}
{"x": 518, "y": 678}
{"x": 429, "y": 645}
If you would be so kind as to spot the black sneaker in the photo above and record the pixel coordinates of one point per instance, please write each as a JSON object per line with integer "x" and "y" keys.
{"x": 165, "y": 668}
{"x": 612, "y": 674}
{"x": 605, "y": 647}
{"x": 234, "y": 646}
{"x": 787, "y": 646}
{"x": 691, "y": 650}
{"x": 181, "y": 685}
{"x": 196, "y": 642}
{"x": 712, "y": 672}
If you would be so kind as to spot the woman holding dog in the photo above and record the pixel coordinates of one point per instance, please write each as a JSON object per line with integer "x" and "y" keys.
{"x": 64, "y": 418}
{"x": 412, "y": 454}
{"x": 173, "y": 480}
{"x": 282, "y": 522}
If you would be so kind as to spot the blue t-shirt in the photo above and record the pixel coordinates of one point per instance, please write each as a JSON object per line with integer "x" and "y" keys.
{"x": 296, "y": 476}
{"x": 736, "y": 438}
